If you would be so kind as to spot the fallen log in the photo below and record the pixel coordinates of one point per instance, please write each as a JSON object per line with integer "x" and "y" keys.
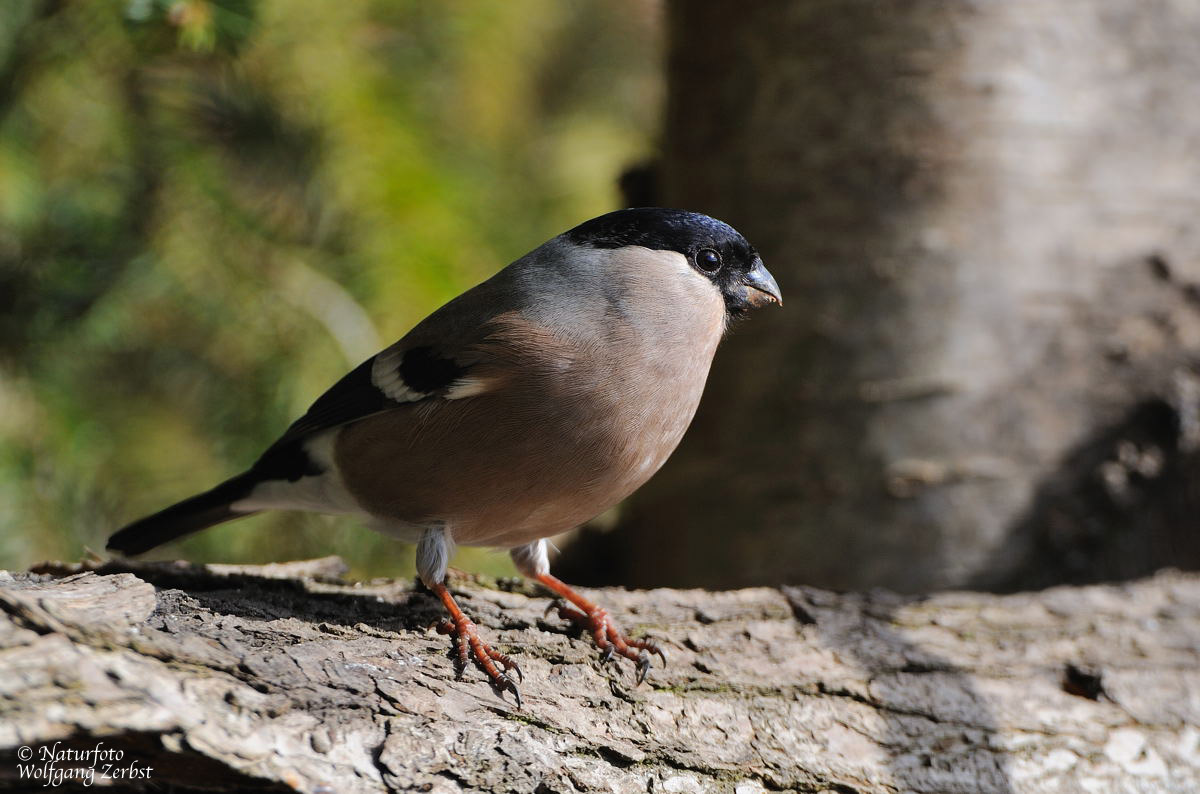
{"x": 284, "y": 677}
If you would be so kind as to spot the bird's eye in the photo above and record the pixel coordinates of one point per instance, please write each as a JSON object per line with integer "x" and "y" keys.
{"x": 708, "y": 260}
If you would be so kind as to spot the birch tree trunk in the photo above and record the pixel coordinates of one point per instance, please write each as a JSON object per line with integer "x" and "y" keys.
{"x": 983, "y": 217}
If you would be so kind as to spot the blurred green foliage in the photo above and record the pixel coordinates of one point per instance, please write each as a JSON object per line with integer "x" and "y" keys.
{"x": 211, "y": 210}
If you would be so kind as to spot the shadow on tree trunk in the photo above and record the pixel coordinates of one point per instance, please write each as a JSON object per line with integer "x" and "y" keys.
{"x": 1122, "y": 504}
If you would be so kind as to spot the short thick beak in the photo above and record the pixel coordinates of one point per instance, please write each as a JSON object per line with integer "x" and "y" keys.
{"x": 762, "y": 288}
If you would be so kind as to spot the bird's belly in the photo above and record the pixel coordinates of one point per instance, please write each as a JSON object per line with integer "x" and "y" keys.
{"x": 495, "y": 472}
{"x": 584, "y": 476}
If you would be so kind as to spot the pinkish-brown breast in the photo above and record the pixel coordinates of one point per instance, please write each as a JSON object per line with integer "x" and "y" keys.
{"x": 572, "y": 423}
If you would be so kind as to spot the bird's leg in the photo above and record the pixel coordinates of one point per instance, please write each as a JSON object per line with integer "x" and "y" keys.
{"x": 533, "y": 561}
{"x": 608, "y": 637}
{"x": 434, "y": 551}
{"x": 469, "y": 643}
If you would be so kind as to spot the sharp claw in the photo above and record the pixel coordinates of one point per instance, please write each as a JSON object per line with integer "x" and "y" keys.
{"x": 516, "y": 692}
{"x": 643, "y": 666}
{"x": 608, "y": 655}
{"x": 553, "y": 605}
{"x": 661, "y": 654}
{"x": 520, "y": 675}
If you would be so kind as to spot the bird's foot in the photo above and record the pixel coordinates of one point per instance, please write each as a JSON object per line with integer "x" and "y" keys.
{"x": 468, "y": 644}
{"x": 607, "y": 636}
{"x": 610, "y": 639}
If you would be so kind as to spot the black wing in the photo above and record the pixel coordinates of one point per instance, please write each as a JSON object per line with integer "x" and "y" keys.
{"x": 419, "y": 373}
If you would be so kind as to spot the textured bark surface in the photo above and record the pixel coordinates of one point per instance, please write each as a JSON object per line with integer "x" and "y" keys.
{"x": 259, "y": 679}
{"x": 982, "y": 217}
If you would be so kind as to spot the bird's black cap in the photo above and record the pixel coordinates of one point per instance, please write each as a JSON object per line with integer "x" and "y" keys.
{"x": 657, "y": 228}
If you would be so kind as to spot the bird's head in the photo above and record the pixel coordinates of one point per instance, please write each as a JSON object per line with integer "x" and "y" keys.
{"x": 714, "y": 250}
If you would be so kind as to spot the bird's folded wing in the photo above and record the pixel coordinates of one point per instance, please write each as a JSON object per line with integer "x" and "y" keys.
{"x": 401, "y": 375}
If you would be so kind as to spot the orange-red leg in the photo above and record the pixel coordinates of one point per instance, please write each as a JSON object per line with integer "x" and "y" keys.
{"x": 608, "y": 637}
{"x": 468, "y": 643}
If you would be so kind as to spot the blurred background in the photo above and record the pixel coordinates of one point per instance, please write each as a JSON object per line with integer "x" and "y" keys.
{"x": 209, "y": 211}
{"x": 982, "y": 216}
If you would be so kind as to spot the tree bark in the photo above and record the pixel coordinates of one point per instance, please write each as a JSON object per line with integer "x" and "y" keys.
{"x": 982, "y": 216}
{"x": 282, "y": 677}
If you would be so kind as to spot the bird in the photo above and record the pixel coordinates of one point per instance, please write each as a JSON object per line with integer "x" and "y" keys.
{"x": 520, "y": 409}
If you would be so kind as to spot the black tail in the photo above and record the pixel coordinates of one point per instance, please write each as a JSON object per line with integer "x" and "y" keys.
{"x": 191, "y": 515}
